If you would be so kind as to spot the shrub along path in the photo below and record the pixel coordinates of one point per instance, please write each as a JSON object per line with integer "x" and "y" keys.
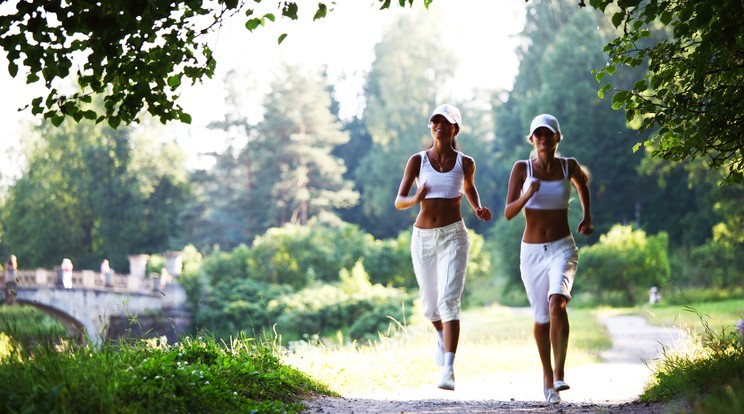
{"x": 611, "y": 386}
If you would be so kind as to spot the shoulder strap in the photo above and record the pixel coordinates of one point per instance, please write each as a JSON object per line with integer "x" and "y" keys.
{"x": 529, "y": 168}
{"x": 564, "y": 165}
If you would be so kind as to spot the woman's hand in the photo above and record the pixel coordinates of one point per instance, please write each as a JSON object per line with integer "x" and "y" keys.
{"x": 586, "y": 227}
{"x": 483, "y": 213}
{"x": 421, "y": 192}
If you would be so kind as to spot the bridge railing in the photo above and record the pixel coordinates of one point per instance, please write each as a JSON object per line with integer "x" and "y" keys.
{"x": 86, "y": 279}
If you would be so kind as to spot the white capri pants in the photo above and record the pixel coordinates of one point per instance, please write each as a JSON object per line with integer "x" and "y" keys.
{"x": 440, "y": 261}
{"x": 548, "y": 269}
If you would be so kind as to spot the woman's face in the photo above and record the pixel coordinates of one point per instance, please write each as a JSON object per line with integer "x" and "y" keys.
{"x": 545, "y": 139}
{"x": 441, "y": 128}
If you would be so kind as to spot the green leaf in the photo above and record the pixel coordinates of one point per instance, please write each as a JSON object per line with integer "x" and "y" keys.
{"x": 57, "y": 120}
{"x": 666, "y": 17}
{"x": 603, "y": 90}
{"x": 611, "y": 69}
{"x": 174, "y": 81}
{"x": 270, "y": 16}
{"x": 619, "y": 99}
{"x": 114, "y": 121}
{"x": 12, "y": 69}
{"x": 90, "y": 114}
{"x": 321, "y": 12}
{"x": 617, "y": 19}
{"x": 251, "y": 24}
{"x": 184, "y": 117}
{"x": 290, "y": 10}
{"x": 281, "y": 38}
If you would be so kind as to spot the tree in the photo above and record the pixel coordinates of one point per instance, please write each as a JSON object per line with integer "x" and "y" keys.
{"x": 410, "y": 61}
{"x": 135, "y": 54}
{"x": 691, "y": 96}
{"x": 555, "y": 77}
{"x": 91, "y": 192}
{"x": 293, "y": 174}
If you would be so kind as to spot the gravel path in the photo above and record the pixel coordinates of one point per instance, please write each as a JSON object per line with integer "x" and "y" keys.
{"x": 612, "y": 386}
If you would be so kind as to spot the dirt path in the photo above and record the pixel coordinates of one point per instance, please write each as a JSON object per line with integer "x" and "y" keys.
{"x": 609, "y": 387}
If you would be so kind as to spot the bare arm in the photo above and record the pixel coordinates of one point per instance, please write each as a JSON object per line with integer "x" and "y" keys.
{"x": 471, "y": 192}
{"x": 403, "y": 200}
{"x": 580, "y": 180}
{"x": 515, "y": 201}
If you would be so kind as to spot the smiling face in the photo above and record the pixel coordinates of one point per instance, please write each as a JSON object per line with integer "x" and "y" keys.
{"x": 441, "y": 128}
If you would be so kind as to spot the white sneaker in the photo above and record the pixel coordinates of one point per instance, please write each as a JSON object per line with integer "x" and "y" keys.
{"x": 439, "y": 355}
{"x": 552, "y": 396}
{"x": 448, "y": 380}
{"x": 561, "y": 385}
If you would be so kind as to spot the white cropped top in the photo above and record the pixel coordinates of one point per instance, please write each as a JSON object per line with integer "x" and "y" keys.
{"x": 448, "y": 184}
{"x": 552, "y": 195}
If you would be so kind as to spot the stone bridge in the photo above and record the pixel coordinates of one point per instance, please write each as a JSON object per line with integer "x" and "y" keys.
{"x": 107, "y": 305}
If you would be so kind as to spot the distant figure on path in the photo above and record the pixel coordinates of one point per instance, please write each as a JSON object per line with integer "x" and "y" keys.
{"x": 66, "y": 273}
{"x": 654, "y": 296}
{"x": 541, "y": 187}
{"x": 440, "y": 242}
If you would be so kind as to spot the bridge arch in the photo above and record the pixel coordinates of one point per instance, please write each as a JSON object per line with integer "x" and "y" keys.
{"x": 75, "y": 328}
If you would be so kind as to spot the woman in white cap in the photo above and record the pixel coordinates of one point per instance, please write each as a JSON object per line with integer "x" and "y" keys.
{"x": 440, "y": 241}
{"x": 541, "y": 187}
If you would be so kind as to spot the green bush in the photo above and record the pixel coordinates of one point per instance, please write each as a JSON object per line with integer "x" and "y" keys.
{"x": 155, "y": 264}
{"x": 626, "y": 261}
{"x": 354, "y": 303}
{"x": 385, "y": 318}
{"x": 238, "y": 305}
{"x": 713, "y": 264}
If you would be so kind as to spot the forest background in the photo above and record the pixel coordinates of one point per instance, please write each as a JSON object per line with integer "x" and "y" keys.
{"x": 289, "y": 220}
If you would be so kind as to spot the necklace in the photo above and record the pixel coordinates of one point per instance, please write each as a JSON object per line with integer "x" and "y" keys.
{"x": 441, "y": 167}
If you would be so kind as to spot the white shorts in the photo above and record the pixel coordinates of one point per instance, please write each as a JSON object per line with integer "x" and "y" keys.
{"x": 548, "y": 269}
{"x": 440, "y": 261}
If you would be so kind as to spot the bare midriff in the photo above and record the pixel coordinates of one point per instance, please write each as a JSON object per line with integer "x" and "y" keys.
{"x": 438, "y": 212}
{"x": 545, "y": 226}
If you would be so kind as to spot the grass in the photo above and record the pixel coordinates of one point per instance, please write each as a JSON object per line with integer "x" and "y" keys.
{"x": 493, "y": 339}
{"x": 709, "y": 376}
{"x": 196, "y": 375}
{"x": 203, "y": 375}
{"x": 29, "y": 325}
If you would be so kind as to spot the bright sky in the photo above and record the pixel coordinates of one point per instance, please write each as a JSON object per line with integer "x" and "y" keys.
{"x": 481, "y": 32}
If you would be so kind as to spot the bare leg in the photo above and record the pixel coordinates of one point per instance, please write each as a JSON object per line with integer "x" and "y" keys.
{"x": 542, "y": 338}
{"x": 559, "y": 329}
{"x": 451, "y": 334}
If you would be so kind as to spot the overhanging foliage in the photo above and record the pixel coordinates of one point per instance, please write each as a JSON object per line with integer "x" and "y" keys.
{"x": 691, "y": 94}
{"x": 134, "y": 53}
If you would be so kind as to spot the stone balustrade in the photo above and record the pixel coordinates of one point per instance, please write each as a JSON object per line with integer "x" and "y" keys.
{"x": 88, "y": 279}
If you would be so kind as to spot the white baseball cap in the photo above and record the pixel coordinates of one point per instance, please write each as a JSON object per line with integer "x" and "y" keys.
{"x": 547, "y": 121}
{"x": 448, "y": 111}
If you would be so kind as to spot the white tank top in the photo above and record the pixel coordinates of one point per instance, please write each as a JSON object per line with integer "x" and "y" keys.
{"x": 448, "y": 184}
{"x": 552, "y": 195}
